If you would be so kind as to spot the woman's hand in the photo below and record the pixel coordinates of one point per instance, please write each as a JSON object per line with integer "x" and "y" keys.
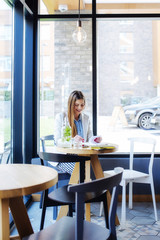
{"x": 98, "y": 139}
{"x": 78, "y": 138}
{"x": 95, "y": 139}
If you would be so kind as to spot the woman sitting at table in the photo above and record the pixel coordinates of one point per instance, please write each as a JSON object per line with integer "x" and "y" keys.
{"x": 78, "y": 121}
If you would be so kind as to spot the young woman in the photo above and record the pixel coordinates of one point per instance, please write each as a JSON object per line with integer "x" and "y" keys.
{"x": 77, "y": 120}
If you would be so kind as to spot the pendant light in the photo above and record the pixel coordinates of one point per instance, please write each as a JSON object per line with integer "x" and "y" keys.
{"x": 79, "y": 35}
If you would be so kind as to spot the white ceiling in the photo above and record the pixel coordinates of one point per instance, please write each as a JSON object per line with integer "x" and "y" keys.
{"x": 122, "y": 1}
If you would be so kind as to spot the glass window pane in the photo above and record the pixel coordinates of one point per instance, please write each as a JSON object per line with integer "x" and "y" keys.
{"x": 64, "y": 66}
{"x": 128, "y": 75}
{"x": 5, "y": 80}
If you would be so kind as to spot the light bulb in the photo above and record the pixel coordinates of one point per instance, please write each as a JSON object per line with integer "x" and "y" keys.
{"x": 79, "y": 35}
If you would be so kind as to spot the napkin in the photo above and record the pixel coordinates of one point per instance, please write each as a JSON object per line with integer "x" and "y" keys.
{"x": 95, "y": 139}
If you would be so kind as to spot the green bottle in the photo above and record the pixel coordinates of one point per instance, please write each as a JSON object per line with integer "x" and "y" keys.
{"x": 66, "y": 131}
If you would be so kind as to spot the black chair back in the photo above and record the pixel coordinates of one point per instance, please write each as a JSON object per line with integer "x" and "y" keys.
{"x": 110, "y": 183}
{"x": 57, "y": 157}
{"x": 46, "y": 157}
{"x": 69, "y": 228}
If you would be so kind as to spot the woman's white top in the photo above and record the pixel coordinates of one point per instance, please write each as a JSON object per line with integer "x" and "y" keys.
{"x": 62, "y": 117}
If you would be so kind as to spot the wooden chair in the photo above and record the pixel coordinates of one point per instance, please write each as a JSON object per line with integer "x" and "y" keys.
{"x": 68, "y": 228}
{"x": 59, "y": 196}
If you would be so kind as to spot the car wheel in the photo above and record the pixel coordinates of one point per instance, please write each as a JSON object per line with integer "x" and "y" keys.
{"x": 144, "y": 121}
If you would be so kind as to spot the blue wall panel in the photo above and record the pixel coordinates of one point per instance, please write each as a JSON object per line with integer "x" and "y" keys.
{"x": 141, "y": 164}
{"x": 17, "y": 111}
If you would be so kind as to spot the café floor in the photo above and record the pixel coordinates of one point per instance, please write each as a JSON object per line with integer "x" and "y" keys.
{"x": 140, "y": 220}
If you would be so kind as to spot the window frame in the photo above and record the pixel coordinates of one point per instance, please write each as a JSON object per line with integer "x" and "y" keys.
{"x": 94, "y": 17}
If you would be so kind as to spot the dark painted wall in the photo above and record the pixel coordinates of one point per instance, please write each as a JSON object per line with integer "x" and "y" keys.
{"x": 140, "y": 164}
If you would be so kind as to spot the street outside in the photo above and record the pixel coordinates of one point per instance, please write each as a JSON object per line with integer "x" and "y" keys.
{"x": 119, "y": 135}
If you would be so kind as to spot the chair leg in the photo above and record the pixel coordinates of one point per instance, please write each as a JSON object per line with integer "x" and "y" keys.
{"x": 41, "y": 200}
{"x": 45, "y": 194}
{"x": 130, "y": 195}
{"x": 101, "y": 209}
{"x": 43, "y": 217}
{"x": 55, "y": 212}
{"x": 123, "y": 211}
{"x": 105, "y": 206}
{"x": 154, "y": 200}
{"x": 70, "y": 212}
{"x": 79, "y": 216}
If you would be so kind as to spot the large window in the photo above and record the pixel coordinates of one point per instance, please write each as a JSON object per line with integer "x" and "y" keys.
{"x": 5, "y": 80}
{"x": 124, "y": 71}
{"x": 127, "y": 77}
{"x": 64, "y": 67}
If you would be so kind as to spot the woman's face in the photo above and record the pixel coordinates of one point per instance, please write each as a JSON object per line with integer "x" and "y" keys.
{"x": 78, "y": 107}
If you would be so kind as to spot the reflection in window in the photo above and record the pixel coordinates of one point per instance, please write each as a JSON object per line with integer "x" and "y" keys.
{"x": 126, "y": 71}
{"x": 5, "y": 63}
{"x": 126, "y": 42}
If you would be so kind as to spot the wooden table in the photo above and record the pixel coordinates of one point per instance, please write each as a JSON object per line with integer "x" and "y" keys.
{"x": 17, "y": 180}
{"x": 96, "y": 166}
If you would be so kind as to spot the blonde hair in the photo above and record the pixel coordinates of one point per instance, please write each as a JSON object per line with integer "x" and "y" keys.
{"x": 74, "y": 96}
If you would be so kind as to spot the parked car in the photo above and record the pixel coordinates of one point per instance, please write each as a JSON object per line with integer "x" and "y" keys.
{"x": 140, "y": 114}
{"x": 155, "y": 120}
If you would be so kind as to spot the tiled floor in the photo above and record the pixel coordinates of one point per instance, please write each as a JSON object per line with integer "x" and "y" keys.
{"x": 140, "y": 221}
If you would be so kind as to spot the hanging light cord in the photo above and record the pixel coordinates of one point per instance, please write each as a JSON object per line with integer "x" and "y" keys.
{"x": 79, "y": 35}
{"x": 79, "y": 9}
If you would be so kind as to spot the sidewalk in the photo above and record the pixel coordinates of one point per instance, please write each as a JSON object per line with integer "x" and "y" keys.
{"x": 119, "y": 135}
